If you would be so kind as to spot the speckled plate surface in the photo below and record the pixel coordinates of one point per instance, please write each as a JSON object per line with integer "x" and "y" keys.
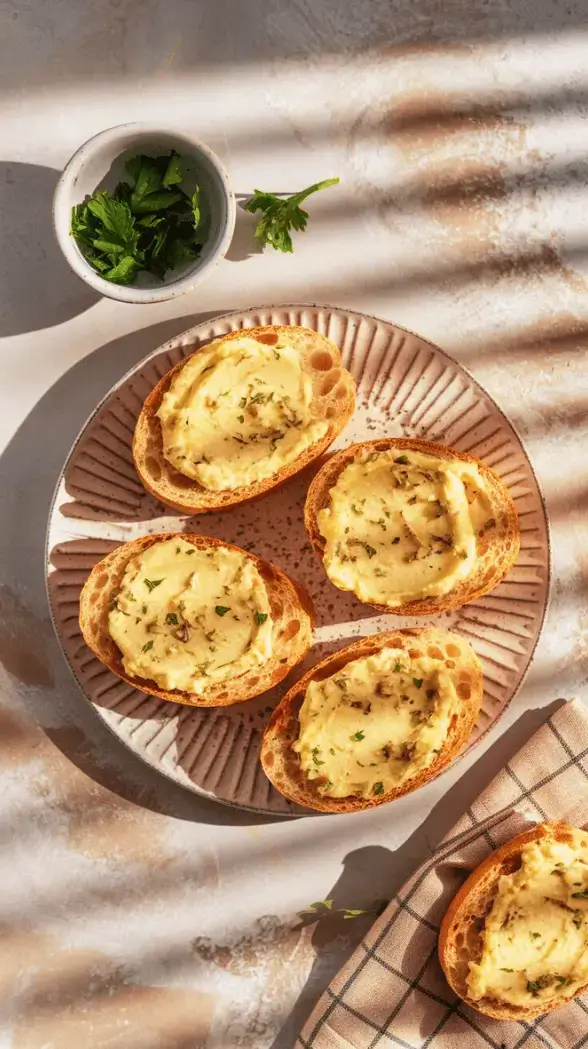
{"x": 406, "y": 386}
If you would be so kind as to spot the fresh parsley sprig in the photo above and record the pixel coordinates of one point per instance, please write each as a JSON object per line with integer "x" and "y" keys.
{"x": 282, "y": 214}
{"x": 320, "y": 909}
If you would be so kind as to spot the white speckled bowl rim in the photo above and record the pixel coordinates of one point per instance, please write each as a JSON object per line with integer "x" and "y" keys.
{"x": 399, "y": 342}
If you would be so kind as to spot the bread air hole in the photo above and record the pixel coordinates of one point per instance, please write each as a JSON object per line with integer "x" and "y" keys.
{"x": 329, "y": 382}
{"x": 269, "y": 759}
{"x": 252, "y": 680}
{"x": 453, "y": 651}
{"x": 154, "y": 467}
{"x": 463, "y": 690}
{"x": 291, "y": 630}
{"x": 102, "y": 579}
{"x": 340, "y": 392}
{"x": 269, "y": 339}
{"x": 332, "y": 412}
{"x": 415, "y": 653}
{"x": 321, "y": 361}
{"x": 434, "y": 652}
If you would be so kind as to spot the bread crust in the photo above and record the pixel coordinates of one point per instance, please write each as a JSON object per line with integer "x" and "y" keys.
{"x": 466, "y": 914}
{"x": 281, "y": 764}
{"x": 497, "y": 549}
{"x": 333, "y": 399}
{"x": 291, "y": 608}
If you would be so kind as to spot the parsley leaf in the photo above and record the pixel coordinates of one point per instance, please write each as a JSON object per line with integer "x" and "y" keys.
{"x": 417, "y": 682}
{"x": 152, "y": 583}
{"x": 280, "y": 215}
{"x": 173, "y": 173}
{"x": 221, "y": 610}
{"x": 124, "y": 272}
{"x": 147, "y": 646}
{"x": 357, "y": 736}
{"x": 378, "y": 788}
{"x": 260, "y": 617}
{"x": 171, "y": 619}
{"x": 114, "y": 215}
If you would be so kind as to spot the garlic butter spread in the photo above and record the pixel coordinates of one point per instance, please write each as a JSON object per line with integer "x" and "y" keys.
{"x": 402, "y": 527}
{"x": 536, "y": 935}
{"x": 238, "y": 412}
{"x": 379, "y": 720}
{"x": 187, "y": 618}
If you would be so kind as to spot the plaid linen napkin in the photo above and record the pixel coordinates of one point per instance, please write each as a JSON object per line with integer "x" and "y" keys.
{"x": 392, "y": 991}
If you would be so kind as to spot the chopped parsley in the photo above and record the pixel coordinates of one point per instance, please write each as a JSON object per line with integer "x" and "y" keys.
{"x": 397, "y": 668}
{"x": 152, "y": 583}
{"x": 171, "y": 619}
{"x": 378, "y": 788}
{"x": 221, "y": 610}
{"x": 328, "y": 784}
{"x": 260, "y": 617}
{"x": 370, "y": 550}
{"x": 582, "y": 895}
{"x": 507, "y": 970}
{"x": 241, "y": 419}
{"x": 315, "y": 752}
{"x": 357, "y": 736}
{"x": 147, "y": 646}
{"x": 417, "y": 682}
{"x": 402, "y": 459}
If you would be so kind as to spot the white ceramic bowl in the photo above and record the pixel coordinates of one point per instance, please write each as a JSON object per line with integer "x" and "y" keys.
{"x": 100, "y": 163}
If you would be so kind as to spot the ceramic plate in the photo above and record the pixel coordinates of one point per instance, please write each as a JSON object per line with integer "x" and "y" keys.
{"x": 406, "y": 386}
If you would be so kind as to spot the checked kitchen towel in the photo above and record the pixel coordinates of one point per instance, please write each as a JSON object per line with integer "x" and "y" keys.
{"x": 392, "y": 991}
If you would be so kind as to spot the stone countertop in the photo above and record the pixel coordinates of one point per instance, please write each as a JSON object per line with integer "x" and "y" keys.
{"x": 133, "y": 914}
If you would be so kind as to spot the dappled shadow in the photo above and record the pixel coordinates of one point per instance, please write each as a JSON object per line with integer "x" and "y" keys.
{"x": 374, "y": 874}
{"x": 115, "y": 44}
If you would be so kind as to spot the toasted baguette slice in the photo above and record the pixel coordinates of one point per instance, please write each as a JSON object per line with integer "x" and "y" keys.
{"x": 281, "y": 763}
{"x": 497, "y": 549}
{"x": 291, "y": 607}
{"x": 333, "y": 399}
{"x": 460, "y": 936}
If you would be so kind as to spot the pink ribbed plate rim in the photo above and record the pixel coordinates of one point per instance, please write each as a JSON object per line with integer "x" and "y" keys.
{"x": 406, "y": 385}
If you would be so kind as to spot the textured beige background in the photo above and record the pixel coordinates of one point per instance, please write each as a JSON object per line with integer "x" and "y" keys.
{"x": 132, "y": 915}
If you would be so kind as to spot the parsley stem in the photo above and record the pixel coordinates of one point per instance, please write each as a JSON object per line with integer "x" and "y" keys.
{"x": 299, "y": 197}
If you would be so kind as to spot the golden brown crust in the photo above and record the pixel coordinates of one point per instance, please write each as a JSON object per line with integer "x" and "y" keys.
{"x": 291, "y": 611}
{"x": 281, "y": 764}
{"x": 460, "y": 939}
{"x": 333, "y": 399}
{"x": 498, "y": 548}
